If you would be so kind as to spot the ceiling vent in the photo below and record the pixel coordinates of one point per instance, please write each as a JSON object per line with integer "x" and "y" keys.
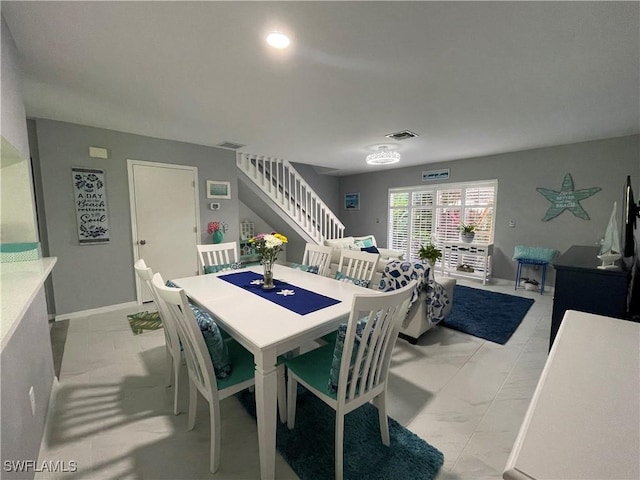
{"x": 230, "y": 145}
{"x": 403, "y": 135}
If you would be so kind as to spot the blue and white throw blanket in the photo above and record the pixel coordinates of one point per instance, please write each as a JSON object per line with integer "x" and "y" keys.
{"x": 399, "y": 273}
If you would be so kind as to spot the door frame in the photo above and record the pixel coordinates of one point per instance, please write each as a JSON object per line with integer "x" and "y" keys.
{"x": 132, "y": 208}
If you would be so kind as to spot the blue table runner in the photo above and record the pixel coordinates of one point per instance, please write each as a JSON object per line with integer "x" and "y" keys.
{"x": 296, "y": 299}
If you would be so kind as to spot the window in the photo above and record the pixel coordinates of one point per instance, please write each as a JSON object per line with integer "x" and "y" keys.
{"x": 418, "y": 214}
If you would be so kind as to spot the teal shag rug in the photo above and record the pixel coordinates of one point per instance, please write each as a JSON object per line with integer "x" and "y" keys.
{"x": 309, "y": 447}
{"x": 485, "y": 314}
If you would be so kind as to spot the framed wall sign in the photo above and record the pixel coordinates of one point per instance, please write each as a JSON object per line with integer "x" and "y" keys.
{"x": 217, "y": 189}
{"x": 352, "y": 201}
{"x": 430, "y": 175}
{"x": 90, "y": 198}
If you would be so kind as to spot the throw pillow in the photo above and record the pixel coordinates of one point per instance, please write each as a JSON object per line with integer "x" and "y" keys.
{"x": 347, "y": 279}
{"x": 212, "y": 338}
{"x": 366, "y": 241}
{"x": 371, "y": 249}
{"x": 306, "y": 268}
{"x": 334, "y": 373}
{"x": 220, "y": 268}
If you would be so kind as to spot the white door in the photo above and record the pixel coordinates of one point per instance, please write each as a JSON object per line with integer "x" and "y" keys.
{"x": 164, "y": 218}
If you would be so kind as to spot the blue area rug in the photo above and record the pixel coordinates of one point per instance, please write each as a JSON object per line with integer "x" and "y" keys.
{"x": 484, "y": 314}
{"x": 309, "y": 447}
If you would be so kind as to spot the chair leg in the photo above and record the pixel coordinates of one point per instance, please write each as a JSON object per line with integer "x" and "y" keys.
{"x": 193, "y": 405}
{"x": 214, "y": 455}
{"x": 339, "y": 445}
{"x": 282, "y": 395}
{"x": 292, "y": 393}
{"x": 381, "y": 404}
{"x": 170, "y": 365}
{"x": 176, "y": 371}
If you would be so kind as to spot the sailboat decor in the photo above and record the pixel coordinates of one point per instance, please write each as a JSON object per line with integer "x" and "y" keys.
{"x": 610, "y": 249}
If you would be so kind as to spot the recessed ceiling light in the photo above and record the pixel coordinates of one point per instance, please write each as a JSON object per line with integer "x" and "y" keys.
{"x": 278, "y": 40}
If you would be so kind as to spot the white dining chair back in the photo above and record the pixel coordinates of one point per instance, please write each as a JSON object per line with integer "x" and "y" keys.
{"x": 200, "y": 366}
{"x": 371, "y": 333}
{"x": 317, "y": 255}
{"x": 357, "y": 264}
{"x": 217, "y": 254}
{"x": 172, "y": 340}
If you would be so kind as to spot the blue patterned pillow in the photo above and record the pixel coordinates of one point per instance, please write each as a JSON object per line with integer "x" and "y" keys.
{"x": 334, "y": 373}
{"x": 306, "y": 268}
{"x": 212, "y": 338}
{"x": 220, "y": 268}
{"x": 347, "y": 279}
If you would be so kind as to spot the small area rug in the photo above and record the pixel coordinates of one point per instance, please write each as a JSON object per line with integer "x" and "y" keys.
{"x": 485, "y": 314}
{"x": 309, "y": 447}
{"x": 143, "y": 321}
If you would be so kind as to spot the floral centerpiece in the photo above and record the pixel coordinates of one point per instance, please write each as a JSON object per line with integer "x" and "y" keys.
{"x": 268, "y": 245}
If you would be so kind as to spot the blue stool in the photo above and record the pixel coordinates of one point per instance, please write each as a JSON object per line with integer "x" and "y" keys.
{"x": 527, "y": 261}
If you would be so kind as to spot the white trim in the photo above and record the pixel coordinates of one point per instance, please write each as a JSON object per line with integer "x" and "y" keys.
{"x": 134, "y": 226}
{"x": 94, "y": 311}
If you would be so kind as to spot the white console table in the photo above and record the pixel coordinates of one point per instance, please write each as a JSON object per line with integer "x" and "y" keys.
{"x": 459, "y": 249}
{"x": 584, "y": 418}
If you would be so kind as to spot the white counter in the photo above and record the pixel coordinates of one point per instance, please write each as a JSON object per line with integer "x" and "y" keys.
{"x": 19, "y": 284}
{"x": 584, "y": 418}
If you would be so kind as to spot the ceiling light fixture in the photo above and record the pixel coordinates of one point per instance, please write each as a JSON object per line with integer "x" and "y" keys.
{"x": 383, "y": 156}
{"x": 278, "y": 40}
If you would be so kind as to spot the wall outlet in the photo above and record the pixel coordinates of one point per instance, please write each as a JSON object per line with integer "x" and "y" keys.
{"x": 32, "y": 399}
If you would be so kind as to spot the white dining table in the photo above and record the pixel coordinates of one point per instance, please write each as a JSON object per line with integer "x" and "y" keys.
{"x": 267, "y": 330}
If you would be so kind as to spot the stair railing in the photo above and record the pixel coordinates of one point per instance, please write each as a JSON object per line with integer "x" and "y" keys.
{"x": 281, "y": 182}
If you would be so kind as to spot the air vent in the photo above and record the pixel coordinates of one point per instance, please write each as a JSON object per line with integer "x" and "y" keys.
{"x": 230, "y": 145}
{"x": 403, "y": 135}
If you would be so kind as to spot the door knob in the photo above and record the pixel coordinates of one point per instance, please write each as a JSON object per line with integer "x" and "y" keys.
{"x": 142, "y": 242}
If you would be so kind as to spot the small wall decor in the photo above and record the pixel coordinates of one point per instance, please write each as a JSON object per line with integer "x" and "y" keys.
{"x": 246, "y": 230}
{"x": 90, "y": 198}
{"x": 567, "y": 199}
{"x": 217, "y": 189}
{"x": 431, "y": 175}
{"x": 352, "y": 201}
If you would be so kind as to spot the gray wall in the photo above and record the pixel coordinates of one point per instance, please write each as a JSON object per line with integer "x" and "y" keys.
{"x": 92, "y": 276}
{"x": 602, "y": 163}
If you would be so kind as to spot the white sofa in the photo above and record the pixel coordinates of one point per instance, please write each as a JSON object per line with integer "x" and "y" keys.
{"x": 417, "y": 321}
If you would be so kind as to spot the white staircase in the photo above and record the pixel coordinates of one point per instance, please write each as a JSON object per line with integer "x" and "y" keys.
{"x": 280, "y": 182}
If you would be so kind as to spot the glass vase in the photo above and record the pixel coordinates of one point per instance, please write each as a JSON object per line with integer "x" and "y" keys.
{"x": 267, "y": 283}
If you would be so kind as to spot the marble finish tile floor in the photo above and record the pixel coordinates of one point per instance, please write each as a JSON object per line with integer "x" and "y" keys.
{"x": 112, "y": 411}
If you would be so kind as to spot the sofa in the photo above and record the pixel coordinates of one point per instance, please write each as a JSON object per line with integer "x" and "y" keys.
{"x": 417, "y": 321}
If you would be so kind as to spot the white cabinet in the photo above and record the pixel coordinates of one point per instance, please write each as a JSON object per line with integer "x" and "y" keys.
{"x": 472, "y": 260}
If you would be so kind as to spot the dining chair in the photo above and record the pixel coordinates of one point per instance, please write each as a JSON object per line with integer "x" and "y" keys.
{"x": 357, "y": 266}
{"x": 172, "y": 341}
{"x": 355, "y": 370}
{"x": 217, "y": 254}
{"x": 317, "y": 255}
{"x": 202, "y": 376}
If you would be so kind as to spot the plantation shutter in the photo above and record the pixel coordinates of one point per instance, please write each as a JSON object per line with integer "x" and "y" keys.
{"x": 421, "y": 214}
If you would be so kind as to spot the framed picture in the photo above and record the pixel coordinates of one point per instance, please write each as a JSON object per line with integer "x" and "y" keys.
{"x": 218, "y": 189}
{"x": 352, "y": 201}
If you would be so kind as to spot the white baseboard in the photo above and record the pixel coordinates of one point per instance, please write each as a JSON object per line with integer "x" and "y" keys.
{"x": 93, "y": 311}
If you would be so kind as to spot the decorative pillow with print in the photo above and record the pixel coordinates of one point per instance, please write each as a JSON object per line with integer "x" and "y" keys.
{"x": 220, "y": 268}
{"x": 347, "y": 279}
{"x": 334, "y": 373}
{"x": 212, "y": 338}
{"x": 306, "y": 268}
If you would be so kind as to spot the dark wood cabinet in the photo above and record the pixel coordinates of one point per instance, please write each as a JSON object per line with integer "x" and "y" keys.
{"x": 581, "y": 285}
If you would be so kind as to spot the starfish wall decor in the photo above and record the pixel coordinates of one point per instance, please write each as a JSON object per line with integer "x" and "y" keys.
{"x": 567, "y": 199}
